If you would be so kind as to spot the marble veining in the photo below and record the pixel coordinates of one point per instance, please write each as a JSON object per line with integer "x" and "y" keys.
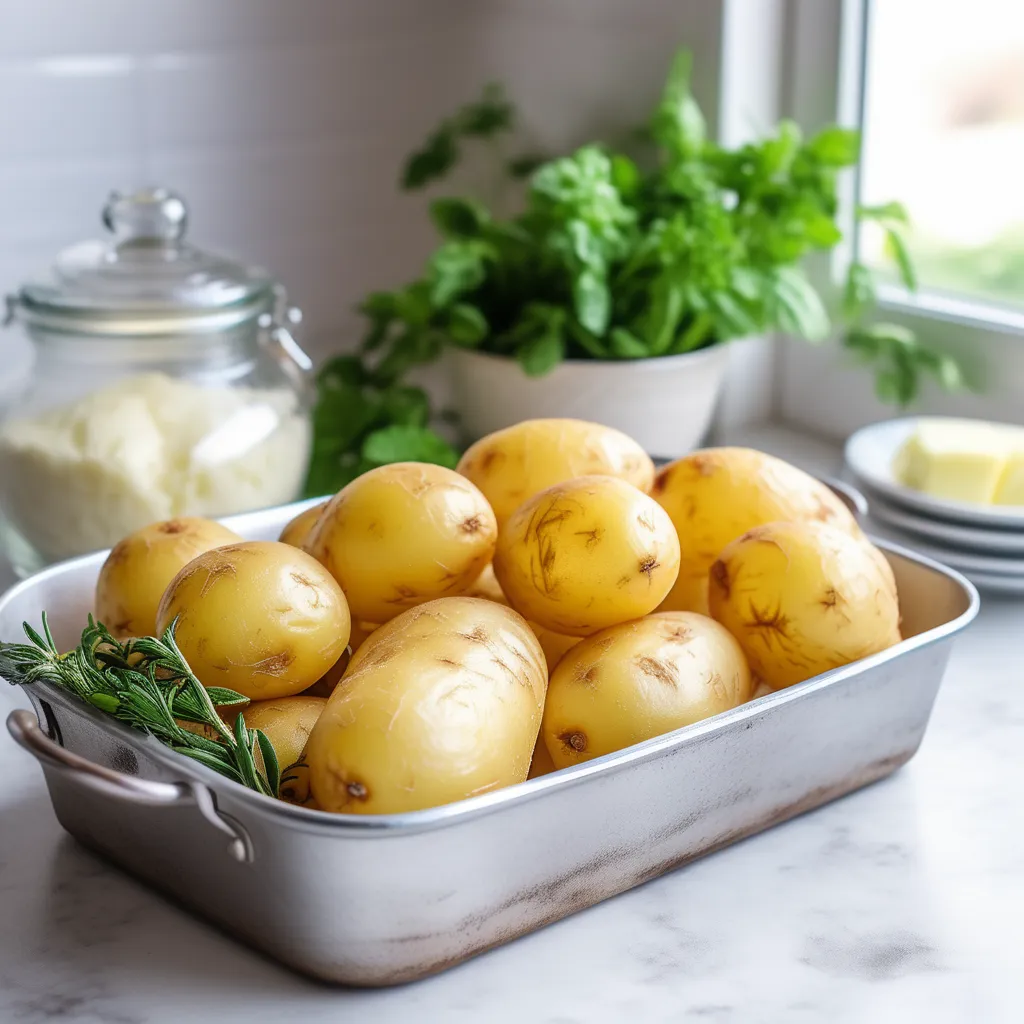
{"x": 901, "y": 903}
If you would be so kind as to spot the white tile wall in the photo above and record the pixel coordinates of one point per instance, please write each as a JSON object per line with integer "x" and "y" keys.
{"x": 284, "y": 123}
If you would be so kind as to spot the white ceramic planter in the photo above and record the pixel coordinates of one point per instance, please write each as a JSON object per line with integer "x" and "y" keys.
{"x": 665, "y": 404}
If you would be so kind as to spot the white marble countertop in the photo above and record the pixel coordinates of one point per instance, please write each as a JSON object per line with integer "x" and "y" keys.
{"x": 903, "y": 902}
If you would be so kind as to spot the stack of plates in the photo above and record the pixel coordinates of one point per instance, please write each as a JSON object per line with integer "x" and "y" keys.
{"x": 984, "y": 542}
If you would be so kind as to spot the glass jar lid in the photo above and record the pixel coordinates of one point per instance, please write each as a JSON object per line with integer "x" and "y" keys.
{"x": 145, "y": 279}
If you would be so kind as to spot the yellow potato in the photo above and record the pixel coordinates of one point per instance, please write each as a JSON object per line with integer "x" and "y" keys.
{"x": 541, "y": 763}
{"x": 139, "y": 568}
{"x": 259, "y": 617}
{"x": 444, "y": 702}
{"x": 632, "y": 682}
{"x": 297, "y": 530}
{"x": 803, "y": 598}
{"x": 514, "y": 464}
{"x": 327, "y": 683}
{"x": 587, "y": 554}
{"x": 287, "y": 723}
{"x": 716, "y": 494}
{"x": 553, "y": 644}
{"x": 487, "y": 587}
{"x": 404, "y": 534}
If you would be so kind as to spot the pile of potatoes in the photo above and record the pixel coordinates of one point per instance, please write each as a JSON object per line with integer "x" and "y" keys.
{"x": 427, "y": 635}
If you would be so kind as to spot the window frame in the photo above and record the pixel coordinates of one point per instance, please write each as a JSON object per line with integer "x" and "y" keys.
{"x": 821, "y": 388}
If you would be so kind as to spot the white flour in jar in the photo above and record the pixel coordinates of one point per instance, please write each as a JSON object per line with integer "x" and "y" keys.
{"x": 80, "y": 477}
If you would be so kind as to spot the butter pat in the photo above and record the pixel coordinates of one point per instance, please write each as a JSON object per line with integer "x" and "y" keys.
{"x": 960, "y": 460}
{"x": 1010, "y": 490}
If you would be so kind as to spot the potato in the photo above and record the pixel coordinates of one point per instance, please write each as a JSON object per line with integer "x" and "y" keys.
{"x": 138, "y": 569}
{"x": 553, "y": 644}
{"x": 297, "y": 530}
{"x": 716, "y": 494}
{"x": 327, "y": 683}
{"x": 514, "y": 464}
{"x": 638, "y": 680}
{"x": 287, "y": 723}
{"x": 403, "y": 534}
{"x": 586, "y": 554}
{"x": 541, "y": 763}
{"x": 803, "y": 598}
{"x": 487, "y": 587}
{"x": 442, "y": 703}
{"x": 259, "y": 617}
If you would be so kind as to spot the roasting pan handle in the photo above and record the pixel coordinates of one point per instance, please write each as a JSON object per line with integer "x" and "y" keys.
{"x": 24, "y": 727}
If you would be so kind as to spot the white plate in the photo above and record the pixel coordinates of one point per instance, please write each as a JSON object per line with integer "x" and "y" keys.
{"x": 967, "y": 562}
{"x": 870, "y": 453}
{"x": 955, "y": 535}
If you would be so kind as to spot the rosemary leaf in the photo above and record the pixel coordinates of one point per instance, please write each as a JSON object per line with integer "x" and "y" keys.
{"x": 146, "y": 683}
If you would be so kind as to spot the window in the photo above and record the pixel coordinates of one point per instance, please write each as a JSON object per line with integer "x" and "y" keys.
{"x": 937, "y": 89}
{"x": 943, "y": 124}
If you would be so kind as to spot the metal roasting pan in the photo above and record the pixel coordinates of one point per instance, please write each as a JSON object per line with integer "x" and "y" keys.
{"x": 375, "y": 901}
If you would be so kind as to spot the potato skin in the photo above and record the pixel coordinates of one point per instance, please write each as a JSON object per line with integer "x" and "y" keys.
{"x": 297, "y": 530}
{"x": 139, "y": 568}
{"x": 442, "y": 703}
{"x": 553, "y": 644}
{"x": 803, "y": 598}
{"x": 259, "y": 617}
{"x": 541, "y": 763}
{"x": 512, "y": 465}
{"x": 287, "y": 723}
{"x": 404, "y": 534}
{"x": 487, "y": 587}
{"x": 328, "y": 682}
{"x": 716, "y": 494}
{"x": 638, "y": 680}
{"x": 586, "y": 554}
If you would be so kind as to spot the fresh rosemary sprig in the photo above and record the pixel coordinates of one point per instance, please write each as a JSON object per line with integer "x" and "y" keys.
{"x": 146, "y": 683}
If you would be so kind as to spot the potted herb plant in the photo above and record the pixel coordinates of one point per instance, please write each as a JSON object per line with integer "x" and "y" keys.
{"x": 610, "y": 295}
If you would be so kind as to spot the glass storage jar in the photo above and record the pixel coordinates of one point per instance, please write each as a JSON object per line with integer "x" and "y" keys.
{"x": 166, "y": 382}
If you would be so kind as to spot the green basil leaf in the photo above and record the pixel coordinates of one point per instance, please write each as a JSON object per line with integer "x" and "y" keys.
{"x": 413, "y": 304}
{"x": 466, "y": 325}
{"x": 821, "y": 231}
{"x": 731, "y": 319}
{"x": 523, "y": 166}
{"x": 459, "y": 218}
{"x": 859, "y": 291}
{"x": 777, "y": 154}
{"x": 590, "y": 344}
{"x": 341, "y": 371}
{"x": 695, "y": 335}
{"x": 893, "y": 213}
{"x": 592, "y": 301}
{"x": 797, "y": 307}
{"x": 491, "y": 114}
{"x": 456, "y": 268}
{"x": 408, "y": 444}
{"x": 678, "y": 123}
{"x": 896, "y": 248}
{"x": 626, "y": 345}
{"x": 625, "y": 176}
{"x": 835, "y": 146}
{"x": 664, "y": 313}
{"x": 405, "y": 406}
{"x": 437, "y": 157}
{"x": 541, "y": 353}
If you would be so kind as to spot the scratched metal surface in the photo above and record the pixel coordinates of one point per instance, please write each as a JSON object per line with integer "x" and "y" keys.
{"x": 377, "y": 901}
